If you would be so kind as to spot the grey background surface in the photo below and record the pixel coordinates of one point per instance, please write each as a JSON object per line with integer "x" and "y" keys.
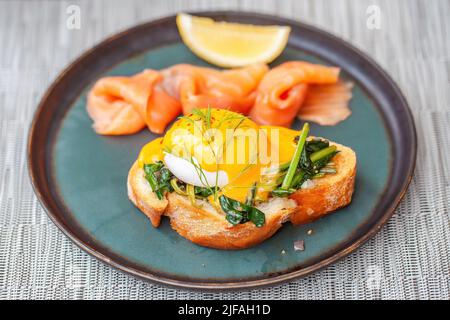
{"x": 408, "y": 259}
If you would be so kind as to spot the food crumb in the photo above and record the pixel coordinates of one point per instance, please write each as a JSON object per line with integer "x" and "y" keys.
{"x": 310, "y": 232}
{"x": 299, "y": 245}
{"x": 283, "y": 252}
{"x": 203, "y": 265}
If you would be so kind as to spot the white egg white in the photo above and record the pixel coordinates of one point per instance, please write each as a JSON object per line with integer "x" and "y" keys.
{"x": 185, "y": 171}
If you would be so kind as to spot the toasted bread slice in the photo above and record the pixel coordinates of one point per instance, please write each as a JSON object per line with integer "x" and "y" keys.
{"x": 205, "y": 225}
{"x": 329, "y": 193}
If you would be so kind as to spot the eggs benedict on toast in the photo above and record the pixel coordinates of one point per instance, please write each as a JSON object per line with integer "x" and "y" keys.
{"x": 228, "y": 183}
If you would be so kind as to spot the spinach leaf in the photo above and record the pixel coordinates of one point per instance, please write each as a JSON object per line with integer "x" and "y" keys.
{"x": 305, "y": 163}
{"x": 202, "y": 192}
{"x": 256, "y": 216}
{"x": 232, "y": 214}
{"x": 237, "y": 212}
{"x": 155, "y": 166}
{"x": 158, "y": 176}
{"x": 165, "y": 174}
{"x": 316, "y": 145}
{"x": 152, "y": 180}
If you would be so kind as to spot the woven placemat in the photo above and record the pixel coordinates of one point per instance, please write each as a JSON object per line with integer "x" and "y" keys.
{"x": 408, "y": 259}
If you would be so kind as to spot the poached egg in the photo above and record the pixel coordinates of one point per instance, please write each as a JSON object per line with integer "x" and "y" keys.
{"x": 217, "y": 147}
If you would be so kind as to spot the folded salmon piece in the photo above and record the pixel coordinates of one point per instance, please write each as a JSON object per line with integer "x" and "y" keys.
{"x": 200, "y": 87}
{"x": 117, "y": 104}
{"x": 283, "y": 90}
{"x": 327, "y": 104}
{"x": 125, "y": 105}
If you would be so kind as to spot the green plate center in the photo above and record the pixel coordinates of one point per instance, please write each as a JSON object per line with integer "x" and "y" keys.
{"x": 91, "y": 171}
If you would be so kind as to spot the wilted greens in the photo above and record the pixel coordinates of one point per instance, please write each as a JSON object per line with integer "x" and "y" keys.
{"x": 237, "y": 212}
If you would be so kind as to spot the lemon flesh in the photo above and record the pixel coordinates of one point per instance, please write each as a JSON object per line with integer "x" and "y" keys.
{"x": 231, "y": 44}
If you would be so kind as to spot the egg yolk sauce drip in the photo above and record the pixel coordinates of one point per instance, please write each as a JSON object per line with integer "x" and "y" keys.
{"x": 225, "y": 157}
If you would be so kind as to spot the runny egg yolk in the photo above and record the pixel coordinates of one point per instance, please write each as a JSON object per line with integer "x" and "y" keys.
{"x": 151, "y": 152}
{"x": 218, "y": 140}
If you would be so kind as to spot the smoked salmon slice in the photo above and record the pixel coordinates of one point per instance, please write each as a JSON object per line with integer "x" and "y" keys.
{"x": 162, "y": 109}
{"x": 327, "y": 104}
{"x": 153, "y": 99}
{"x": 283, "y": 90}
{"x": 125, "y": 105}
{"x": 200, "y": 87}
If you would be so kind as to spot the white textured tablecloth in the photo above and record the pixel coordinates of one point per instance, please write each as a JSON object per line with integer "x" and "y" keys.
{"x": 408, "y": 259}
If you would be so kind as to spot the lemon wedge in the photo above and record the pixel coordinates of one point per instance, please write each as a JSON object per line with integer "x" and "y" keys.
{"x": 231, "y": 44}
